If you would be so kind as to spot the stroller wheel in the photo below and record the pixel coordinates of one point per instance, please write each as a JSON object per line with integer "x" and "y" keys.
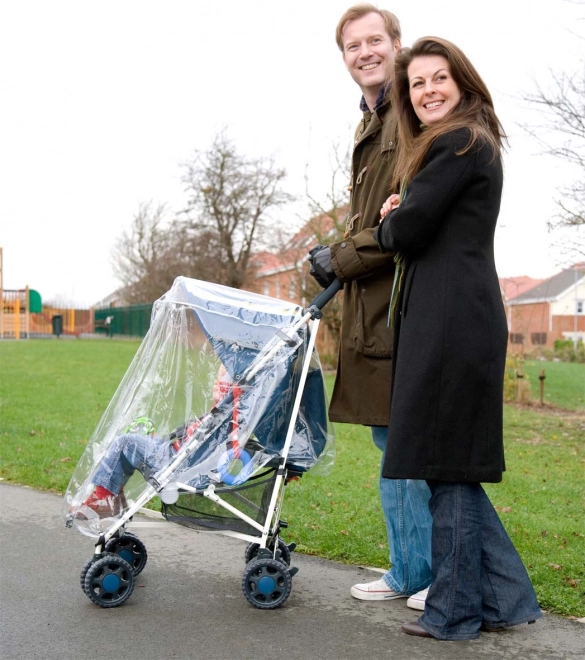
{"x": 86, "y": 568}
{"x": 251, "y": 552}
{"x": 266, "y": 583}
{"x": 283, "y": 553}
{"x": 109, "y": 581}
{"x": 130, "y": 548}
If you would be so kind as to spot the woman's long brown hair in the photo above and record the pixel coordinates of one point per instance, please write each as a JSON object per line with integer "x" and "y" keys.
{"x": 474, "y": 111}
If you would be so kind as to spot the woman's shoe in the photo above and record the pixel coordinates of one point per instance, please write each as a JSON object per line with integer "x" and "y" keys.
{"x": 414, "y": 628}
{"x": 487, "y": 628}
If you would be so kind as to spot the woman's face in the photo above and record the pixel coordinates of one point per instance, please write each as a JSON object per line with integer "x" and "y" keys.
{"x": 433, "y": 92}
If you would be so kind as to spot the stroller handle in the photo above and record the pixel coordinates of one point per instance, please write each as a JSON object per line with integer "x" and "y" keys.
{"x": 326, "y": 295}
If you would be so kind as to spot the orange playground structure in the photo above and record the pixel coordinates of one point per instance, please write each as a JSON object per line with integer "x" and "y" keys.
{"x": 23, "y": 316}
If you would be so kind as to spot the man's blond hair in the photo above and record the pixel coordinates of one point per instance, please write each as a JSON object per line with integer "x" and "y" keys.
{"x": 359, "y": 11}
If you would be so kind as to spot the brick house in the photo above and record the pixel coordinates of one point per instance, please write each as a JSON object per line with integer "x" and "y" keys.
{"x": 284, "y": 274}
{"x": 276, "y": 276}
{"x": 552, "y": 309}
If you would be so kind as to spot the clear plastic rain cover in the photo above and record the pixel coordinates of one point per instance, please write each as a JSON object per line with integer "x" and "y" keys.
{"x": 213, "y": 381}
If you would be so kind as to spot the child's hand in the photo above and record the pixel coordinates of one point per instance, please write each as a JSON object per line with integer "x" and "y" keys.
{"x": 393, "y": 202}
{"x": 222, "y": 385}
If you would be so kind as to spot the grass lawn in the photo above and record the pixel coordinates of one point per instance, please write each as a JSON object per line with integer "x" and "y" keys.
{"x": 53, "y": 393}
{"x": 564, "y": 383}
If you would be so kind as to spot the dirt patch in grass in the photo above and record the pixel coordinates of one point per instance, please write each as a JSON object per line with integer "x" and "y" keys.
{"x": 548, "y": 409}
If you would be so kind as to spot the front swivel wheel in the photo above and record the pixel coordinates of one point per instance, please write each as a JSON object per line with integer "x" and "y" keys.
{"x": 283, "y": 551}
{"x": 109, "y": 581}
{"x": 129, "y": 547}
{"x": 88, "y": 564}
{"x": 266, "y": 583}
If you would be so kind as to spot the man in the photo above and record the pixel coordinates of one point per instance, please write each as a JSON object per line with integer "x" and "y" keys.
{"x": 369, "y": 39}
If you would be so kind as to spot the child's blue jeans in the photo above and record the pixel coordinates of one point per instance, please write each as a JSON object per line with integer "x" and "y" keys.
{"x": 130, "y": 452}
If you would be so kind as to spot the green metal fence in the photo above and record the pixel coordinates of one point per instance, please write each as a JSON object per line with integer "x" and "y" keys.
{"x": 132, "y": 321}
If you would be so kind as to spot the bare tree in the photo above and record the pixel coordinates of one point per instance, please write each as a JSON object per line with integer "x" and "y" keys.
{"x": 157, "y": 249}
{"x": 136, "y": 255}
{"x": 561, "y": 134}
{"x": 563, "y": 110}
{"x": 230, "y": 198}
{"x": 230, "y": 201}
{"x": 336, "y": 199}
{"x": 328, "y": 216}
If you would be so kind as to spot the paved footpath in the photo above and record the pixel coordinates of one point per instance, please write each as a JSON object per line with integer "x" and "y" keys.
{"x": 188, "y": 604}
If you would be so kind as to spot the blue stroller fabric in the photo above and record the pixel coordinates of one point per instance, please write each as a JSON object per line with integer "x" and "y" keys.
{"x": 254, "y": 328}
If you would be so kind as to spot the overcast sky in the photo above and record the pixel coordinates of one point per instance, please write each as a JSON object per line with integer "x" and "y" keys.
{"x": 101, "y": 101}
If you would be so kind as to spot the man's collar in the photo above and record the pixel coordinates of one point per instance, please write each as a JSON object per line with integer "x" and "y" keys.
{"x": 379, "y": 101}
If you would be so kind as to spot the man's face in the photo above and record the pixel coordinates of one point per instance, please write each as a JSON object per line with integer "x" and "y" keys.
{"x": 369, "y": 52}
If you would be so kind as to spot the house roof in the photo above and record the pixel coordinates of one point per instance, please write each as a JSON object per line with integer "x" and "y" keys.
{"x": 514, "y": 286}
{"x": 553, "y": 288}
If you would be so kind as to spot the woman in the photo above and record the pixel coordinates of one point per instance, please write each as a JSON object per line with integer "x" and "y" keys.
{"x": 450, "y": 338}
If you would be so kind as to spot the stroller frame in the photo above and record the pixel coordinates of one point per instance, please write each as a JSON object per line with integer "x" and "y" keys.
{"x": 267, "y": 580}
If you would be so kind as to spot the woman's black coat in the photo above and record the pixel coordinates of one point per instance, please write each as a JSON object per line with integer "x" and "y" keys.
{"x": 451, "y": 333}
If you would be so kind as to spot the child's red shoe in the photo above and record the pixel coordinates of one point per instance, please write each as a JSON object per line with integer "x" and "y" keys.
{"x": 107, "y": 507}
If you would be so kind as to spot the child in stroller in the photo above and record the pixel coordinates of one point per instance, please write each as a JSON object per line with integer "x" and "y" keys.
{"x": 131, "y": 451}
{"x": 139, "y": 448}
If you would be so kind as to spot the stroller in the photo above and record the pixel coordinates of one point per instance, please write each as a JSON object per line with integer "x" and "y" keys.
{"x": 228, "y": 389}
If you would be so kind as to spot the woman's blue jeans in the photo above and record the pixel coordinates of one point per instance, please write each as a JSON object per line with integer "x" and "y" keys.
{"x": 130, "y": 452}
{"x": 478, "y": 577}
{"x": 408, "y": 524}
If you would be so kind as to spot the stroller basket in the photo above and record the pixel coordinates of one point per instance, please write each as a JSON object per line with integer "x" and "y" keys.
{"x": 251, "y": 498}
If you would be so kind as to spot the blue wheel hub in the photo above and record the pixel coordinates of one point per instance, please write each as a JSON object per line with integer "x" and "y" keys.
{"x": 266, "y": 585}
{"x": 111, "y": 583}
{"x": 126, "y": 555}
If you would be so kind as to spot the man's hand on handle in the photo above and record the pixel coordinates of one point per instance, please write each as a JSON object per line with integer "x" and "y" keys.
{"x": 321, "y": 268}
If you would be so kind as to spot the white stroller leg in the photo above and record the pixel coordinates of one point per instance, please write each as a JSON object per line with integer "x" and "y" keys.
{"x": 313, "y": 328}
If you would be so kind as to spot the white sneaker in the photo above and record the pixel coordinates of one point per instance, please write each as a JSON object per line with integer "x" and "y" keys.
{"x": 377, "y": 590}
{"x": 417, "y": 601}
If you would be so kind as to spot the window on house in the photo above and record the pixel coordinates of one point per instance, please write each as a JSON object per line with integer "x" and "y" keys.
{"x": 516, "y": 338}
{"x": 538, "y": 338}
{"x": 277, "y": 292}
{"x": 580, "y": 306}
{"x": 291, "y": 291}
{"x": 266, "y": 289}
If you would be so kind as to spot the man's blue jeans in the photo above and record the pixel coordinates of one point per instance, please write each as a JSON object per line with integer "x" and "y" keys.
{"x": 408, "y": 524}
{"x": 478, "y": 577}
{"x": 130, "y": 452}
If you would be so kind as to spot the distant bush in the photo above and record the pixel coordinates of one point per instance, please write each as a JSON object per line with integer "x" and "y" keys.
{"x": 566, "y": 351}
{"x": 541, "y": 353}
